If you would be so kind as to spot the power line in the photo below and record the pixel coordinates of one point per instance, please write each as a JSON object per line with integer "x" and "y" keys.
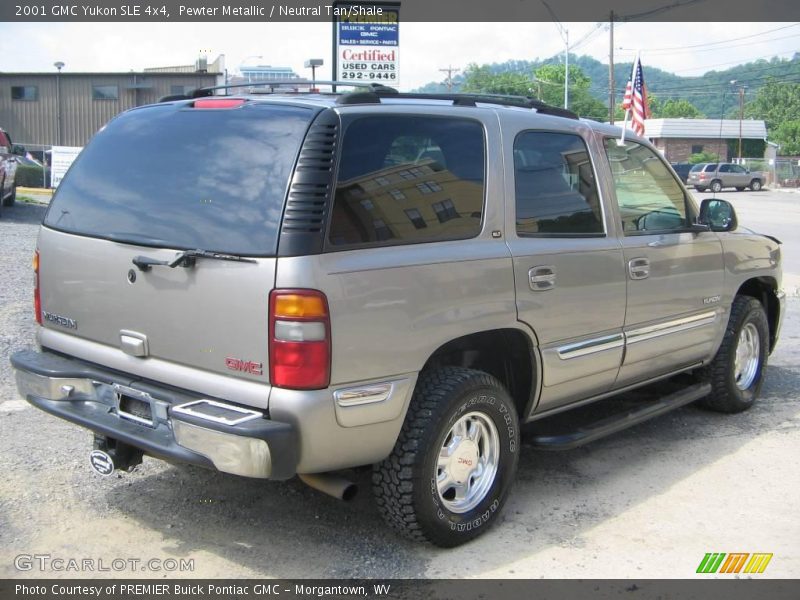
{"x": 767, "y": 41}
{"x": 719, "y": 42}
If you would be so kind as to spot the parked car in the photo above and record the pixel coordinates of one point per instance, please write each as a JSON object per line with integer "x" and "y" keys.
{"x": 8, "y": 169}
{"x": 682, "y": 169}
{"x": 716, "y": 176}
{"x": 319, "y": 293}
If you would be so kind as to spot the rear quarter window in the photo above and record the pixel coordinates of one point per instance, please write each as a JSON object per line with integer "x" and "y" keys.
{"x": 408, "y": 179}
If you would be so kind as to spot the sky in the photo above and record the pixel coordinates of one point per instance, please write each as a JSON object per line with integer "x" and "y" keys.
{"x": 686, "y": 49}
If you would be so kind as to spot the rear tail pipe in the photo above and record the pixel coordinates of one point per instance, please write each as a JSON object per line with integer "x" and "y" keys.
{"x": 333, "y": 485}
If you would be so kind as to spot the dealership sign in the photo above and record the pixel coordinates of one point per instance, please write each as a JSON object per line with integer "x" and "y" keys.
{"x": 368, "y": 46}
{"x": 61, "y": 160}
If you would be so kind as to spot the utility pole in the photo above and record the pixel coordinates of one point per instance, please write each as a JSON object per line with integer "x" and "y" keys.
{"x": 741, "y": 117}
{"x": 611, "y": 68}
{"x": 449, "y": 70}
{"x": 566, "y": 69}
{"x": 564, "y": 33}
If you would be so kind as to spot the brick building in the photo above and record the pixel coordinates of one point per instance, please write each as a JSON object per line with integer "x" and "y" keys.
{"x": 677, "y": 139}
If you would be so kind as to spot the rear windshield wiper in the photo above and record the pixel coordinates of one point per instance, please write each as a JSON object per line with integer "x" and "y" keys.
{"x": 186, "y": 259}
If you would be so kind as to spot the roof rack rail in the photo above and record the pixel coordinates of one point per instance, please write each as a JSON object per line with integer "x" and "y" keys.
{"x": 374, "y": 95}
{"x": 271, "y": 85}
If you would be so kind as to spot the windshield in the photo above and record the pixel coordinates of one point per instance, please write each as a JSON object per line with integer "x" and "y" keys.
{"x": 183, "y": 177}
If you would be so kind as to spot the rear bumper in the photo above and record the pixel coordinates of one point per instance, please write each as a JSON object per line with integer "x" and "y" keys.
{"x": 89, "y": 396}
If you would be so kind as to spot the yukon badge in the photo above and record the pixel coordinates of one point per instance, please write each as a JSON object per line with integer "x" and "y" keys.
{"x": 245, "y": 366}
{"x": 59, "y": 320}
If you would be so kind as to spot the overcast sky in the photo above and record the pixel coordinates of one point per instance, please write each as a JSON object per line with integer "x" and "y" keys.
{"x": 424, "y": 47}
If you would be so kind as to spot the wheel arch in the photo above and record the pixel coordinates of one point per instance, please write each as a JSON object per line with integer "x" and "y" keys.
{"x": 507, "y": 354}
{"x": 764, "y": 289}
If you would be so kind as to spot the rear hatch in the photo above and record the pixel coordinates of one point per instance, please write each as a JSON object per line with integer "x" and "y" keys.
{"x": 208, "y": 175}
{"x": 695, "y": 173}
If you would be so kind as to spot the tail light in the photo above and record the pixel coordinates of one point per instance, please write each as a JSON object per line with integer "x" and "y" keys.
{"x": 702, "y": 176}
{"x": 299, "y": 339}
{"x": 37, "y": 297}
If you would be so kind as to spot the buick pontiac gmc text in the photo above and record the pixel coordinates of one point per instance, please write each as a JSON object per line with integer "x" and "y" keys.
{"x": 281, "y": 284}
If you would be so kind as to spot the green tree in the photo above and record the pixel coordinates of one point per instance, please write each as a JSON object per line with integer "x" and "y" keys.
{"x": 549, "y": 86}
{"x": 703, "y": 157}
{"x": 675, "y": 108}
{"x": 481, "y": 79}
{"x": 787, "y": 134}
{"x": 776, "y": 103}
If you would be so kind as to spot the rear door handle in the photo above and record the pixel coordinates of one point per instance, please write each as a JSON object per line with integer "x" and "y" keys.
{"x": 542, "y": 278}
{"x": 639, "y": 268}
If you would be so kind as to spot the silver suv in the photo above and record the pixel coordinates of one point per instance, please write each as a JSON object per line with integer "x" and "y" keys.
{"x": 276, "y": 285}
{"x": 715, "y": 176}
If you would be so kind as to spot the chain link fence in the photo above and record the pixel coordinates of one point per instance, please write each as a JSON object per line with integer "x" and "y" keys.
{"x": 779, "y": 172}
{"x": 33, "y": 169}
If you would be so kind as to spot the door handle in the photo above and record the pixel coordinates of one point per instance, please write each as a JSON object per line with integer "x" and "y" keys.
{"x": 639, "y": 268}
{"x": 542, "y": 278}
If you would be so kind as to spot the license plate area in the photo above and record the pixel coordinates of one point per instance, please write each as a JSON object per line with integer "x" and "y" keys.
{"x": 134, "y": 405}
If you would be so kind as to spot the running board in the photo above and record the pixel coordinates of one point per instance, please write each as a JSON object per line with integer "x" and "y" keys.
{"x": 613, "y": 424}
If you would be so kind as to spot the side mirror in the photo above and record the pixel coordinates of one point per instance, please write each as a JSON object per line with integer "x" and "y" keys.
{"x": 718, "y": 214}
{"x": 18, "y": 150}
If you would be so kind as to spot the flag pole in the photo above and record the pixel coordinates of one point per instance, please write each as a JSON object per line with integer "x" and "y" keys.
{"x": 628, "y": 111}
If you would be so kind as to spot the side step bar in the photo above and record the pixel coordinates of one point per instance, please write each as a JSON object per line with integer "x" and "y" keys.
{"x": 613, "y": 424}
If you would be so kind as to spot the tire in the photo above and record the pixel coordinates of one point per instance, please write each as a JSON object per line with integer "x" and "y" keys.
{"x": 405, "y": 484}
{"x": 739, "y": 189}
{"x": 755, "y": 185}
{"x": 716, "y": 186}
{"x": 735, "y": 387}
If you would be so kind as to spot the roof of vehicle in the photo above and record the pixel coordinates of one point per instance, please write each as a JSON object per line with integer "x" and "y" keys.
{"x": 366, "y": 95}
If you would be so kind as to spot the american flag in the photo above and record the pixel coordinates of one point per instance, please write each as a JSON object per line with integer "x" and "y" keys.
{"x": 635, "y": 99}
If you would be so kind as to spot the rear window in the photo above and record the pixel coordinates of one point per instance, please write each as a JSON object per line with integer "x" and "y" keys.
{"x": 185, "y": 178}
{"x": 696, "y": 168}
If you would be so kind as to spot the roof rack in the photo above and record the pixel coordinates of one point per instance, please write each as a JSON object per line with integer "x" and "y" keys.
{"x": 371, "y": 93}
{"x": 374, "y": 96}
{"x": 273, "y": 85}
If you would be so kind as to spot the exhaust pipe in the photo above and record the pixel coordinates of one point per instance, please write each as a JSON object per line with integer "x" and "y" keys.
{"x": 328, "y": 483}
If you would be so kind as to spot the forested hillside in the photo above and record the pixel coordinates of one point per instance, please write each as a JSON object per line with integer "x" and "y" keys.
{"x": 710, "y": 93}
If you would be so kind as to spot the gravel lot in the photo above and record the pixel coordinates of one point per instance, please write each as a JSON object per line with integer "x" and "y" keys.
{"x": 648, "y": 502}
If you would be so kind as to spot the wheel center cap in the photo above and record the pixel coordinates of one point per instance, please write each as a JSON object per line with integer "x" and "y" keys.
{"x": 464, "y": 460}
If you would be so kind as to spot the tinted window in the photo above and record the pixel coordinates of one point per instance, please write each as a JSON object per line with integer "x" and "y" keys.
{"x": 738, "y": 169}
{"x": 710, "y": 168}
{"x": 725, "y": 169}
{"x": 649, "y": 197}
{"x": 185, "y": 178}
{"x": 555, "y": 185}
{"x": 105, "y": 92}
{"x": 408, "y": 179}
{"x": 24, "y": 92}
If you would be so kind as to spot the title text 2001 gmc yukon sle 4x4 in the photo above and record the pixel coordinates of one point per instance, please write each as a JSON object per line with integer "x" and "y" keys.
{"x": 272, "y": 285}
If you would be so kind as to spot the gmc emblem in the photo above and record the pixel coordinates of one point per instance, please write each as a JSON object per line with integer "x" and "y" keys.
{"x": 245, "y": 366}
